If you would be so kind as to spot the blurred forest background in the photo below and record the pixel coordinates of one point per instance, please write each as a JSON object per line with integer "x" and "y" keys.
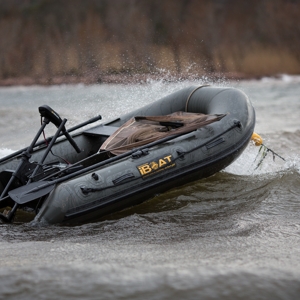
{"x": 52, "y": 41}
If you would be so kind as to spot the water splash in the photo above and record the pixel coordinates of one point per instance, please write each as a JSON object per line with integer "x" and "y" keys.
{"x": 293, "y": 163}
{"x": 247, "y": 163}
{"x": 188, "y": 78}
{"x": 4, "y": 152}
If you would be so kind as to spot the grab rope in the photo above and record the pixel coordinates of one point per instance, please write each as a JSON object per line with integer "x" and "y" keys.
{"x": 258, "y": 141}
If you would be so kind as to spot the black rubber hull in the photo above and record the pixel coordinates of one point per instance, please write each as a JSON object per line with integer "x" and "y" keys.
{"x": 105, "y": 185}
{"x": 128, "y": 197}
{"x": 215, "y": 147}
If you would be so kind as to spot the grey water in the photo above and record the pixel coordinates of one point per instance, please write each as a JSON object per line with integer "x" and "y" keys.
{"x": 235, "y": 235}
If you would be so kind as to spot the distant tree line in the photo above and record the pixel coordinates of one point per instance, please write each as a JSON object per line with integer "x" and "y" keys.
{"x": 48, "y": 38}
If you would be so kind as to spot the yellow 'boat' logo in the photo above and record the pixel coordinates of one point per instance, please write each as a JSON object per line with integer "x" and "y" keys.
{"x": 157, "y": 165}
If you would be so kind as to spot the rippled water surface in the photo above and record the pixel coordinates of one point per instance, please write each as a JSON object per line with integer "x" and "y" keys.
{"x": 235, "y": 235}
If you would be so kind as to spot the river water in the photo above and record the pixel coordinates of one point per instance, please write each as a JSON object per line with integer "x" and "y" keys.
{"x": 235, "y": 235}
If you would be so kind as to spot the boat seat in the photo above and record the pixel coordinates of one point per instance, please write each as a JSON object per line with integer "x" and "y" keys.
{"x": 102, "y": 130}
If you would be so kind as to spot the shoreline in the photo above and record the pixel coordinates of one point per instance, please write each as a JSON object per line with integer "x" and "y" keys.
{"x": 123, "y": 79}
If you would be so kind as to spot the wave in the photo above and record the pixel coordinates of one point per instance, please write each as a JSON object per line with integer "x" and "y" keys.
{"x": 135, "y": 279}
{"x": 281, "y": 77}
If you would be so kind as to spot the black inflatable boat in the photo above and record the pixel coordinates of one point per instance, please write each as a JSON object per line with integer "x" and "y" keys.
{"x": 188, "y": 135}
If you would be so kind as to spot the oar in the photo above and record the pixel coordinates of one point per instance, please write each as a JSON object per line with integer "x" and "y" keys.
{"x": 31, "y": 191}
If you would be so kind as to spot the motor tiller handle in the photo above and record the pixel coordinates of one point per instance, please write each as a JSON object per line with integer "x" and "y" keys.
{"x": 53, "y": 117}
